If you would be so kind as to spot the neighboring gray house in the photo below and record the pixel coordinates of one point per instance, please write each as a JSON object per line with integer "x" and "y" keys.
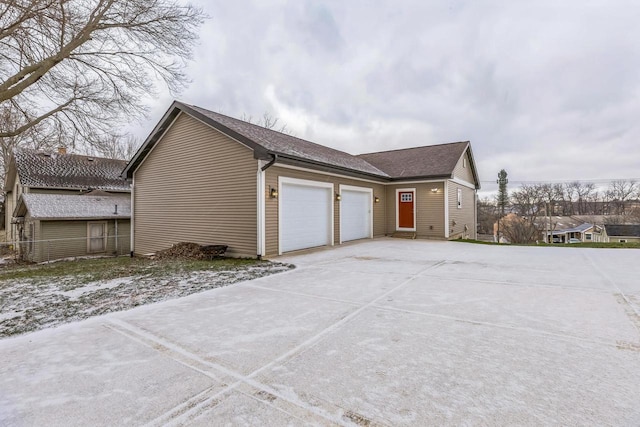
{"x": 205, "y": 177}
{"x": 62, "y": 225}
{"x": 584, "y": 232}
{"x": 66, "y": 198}
{"x": 624, "y": 233}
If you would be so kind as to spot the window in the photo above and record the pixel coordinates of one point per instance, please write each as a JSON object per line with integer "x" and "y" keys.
{"x": 464, "y": 162}
{"x": 96, "y": 237}
{"x": 459, "y": 198}
{"x": 587, "y": 236}
{"x": 622, "y": 240}
{"x": 406, "y": 197}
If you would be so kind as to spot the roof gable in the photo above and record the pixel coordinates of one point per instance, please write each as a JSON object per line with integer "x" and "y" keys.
{"x": 437, "y": 161}
{"x": 41, "y": 169}
{"x": 432, "y": 161}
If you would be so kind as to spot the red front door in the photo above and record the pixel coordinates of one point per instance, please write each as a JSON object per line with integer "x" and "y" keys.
{"x": 405, "y": 209}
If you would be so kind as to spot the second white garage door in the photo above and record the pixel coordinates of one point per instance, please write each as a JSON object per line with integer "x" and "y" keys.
{"x": 355, "y": 213}
{"x": 306, "y": 209}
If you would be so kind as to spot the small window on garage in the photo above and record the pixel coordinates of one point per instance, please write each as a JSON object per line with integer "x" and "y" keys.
{"x": 459, "y": 198}
{"x": 96, "y": 237}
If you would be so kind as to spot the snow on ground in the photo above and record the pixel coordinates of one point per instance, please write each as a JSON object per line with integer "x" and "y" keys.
{"x": 384, "y": 332}
{"x": 32, "y": 304}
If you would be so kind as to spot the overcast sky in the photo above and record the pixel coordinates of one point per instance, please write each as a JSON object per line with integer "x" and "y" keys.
{"x": 548, "y": 90}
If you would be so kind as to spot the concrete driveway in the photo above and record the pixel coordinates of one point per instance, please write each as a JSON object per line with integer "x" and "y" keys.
{"x": 385, "y": 332}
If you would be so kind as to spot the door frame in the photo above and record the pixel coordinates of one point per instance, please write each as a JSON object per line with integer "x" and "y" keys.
{"x": 415, "y": 208}
{"x": 362, "y": 190}
{"x": 308, "y": 183}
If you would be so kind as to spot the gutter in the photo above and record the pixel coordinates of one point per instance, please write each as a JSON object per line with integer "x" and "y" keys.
{"x": 271, "y": 163}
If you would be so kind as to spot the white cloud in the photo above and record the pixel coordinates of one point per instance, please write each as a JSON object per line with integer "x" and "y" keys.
{"x": 547, "y": 90}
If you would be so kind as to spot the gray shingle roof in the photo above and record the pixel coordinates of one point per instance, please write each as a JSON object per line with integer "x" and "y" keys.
{"x": 54, "y": 170}
{"x": 428, "y": 161}
{"x": 280, "y": 143}
{"x": 420, "y": 162}
{"x": 623, "y": 230}
{"x": 65, "y": 206}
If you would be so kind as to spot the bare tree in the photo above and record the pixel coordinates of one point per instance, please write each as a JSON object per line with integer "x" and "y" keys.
{"x": 583, "y": 192}
{"x": 115, "y": 147}
{"x": 487, "y": 215}
{"x": 36, "y": 137}
{"x": 621, "y": 192}
{"x": 80, "y": 68}
{"x": 529, "y": 204}
{"x": 267, "y": 121}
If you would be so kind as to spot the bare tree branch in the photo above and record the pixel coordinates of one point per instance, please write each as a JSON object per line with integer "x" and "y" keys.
{"x": 83, "y": 67}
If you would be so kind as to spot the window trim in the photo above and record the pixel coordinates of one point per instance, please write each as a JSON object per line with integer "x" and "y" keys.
{"x": 459, "y": 198}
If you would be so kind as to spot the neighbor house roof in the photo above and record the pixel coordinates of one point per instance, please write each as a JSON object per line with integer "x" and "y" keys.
{"x": 426, "y": 162}
{"x": 268, "y": 144}
{"x": 65, "y": 206}
{"x": 44, "y": 169}
{"x": 578, "y": 229}
{"x": 623, "y": 230}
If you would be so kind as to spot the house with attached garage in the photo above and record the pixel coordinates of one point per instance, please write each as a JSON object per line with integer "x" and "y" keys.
{"x": 208, "y": 178}
{"x": 622, "y": 233}
{"x": 61, "y": 205}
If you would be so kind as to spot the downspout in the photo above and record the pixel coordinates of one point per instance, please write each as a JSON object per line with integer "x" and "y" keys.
{"x": 132, "y": 220}
{"x": 262, "y": 205}
{"x": 268, "y": 165}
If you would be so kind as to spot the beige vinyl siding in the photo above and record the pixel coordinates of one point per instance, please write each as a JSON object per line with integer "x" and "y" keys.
{"x": 271, "y": 206}
{"x": 429, "y": 209}
{"x": 68, "y": 238}
{"x": 196, "y": 185}
{"x": 464, "y": 173}
{"x": 463, "y": 216}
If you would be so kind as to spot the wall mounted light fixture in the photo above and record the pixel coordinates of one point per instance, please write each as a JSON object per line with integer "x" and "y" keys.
{"x": 338, "y": 197}
{"x": 376, "y": 199}
{"x": 434, "y": 190}
{"x": 273, "y": 192}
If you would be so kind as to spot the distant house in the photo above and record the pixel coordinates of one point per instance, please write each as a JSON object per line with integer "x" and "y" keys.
{"x": 584, "y": 232}
{"x": 208, "y": 178}
{"x": 65, "y": 205}
{"x": 624, "y": 233}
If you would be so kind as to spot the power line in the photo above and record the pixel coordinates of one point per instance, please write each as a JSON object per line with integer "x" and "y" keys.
{"x": 566, "y": 181}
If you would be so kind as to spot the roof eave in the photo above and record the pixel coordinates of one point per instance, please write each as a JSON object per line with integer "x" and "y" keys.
{"x": 171, "y": 114}
{"x": 473, "y": 165}
{"x": 421, "y": 177}
{"x": 79, "y": 218}
{"x": 324, "y": 167}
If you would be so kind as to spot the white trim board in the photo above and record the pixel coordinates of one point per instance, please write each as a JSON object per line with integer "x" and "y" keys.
{"x": 280, "y": 165}
{"x": 463, "y": 183}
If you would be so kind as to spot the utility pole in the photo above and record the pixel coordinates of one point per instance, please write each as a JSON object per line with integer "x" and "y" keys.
{"x": 503, "y": 196}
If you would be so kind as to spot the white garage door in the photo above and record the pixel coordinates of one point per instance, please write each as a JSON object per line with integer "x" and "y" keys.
{"x": 305, "y": 216}
{"x": 355, "y": 214}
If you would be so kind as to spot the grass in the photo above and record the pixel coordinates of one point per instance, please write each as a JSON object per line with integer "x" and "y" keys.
{"x": 34, "y": 297}
{"x": 89, "y": 270}
{"x": 615, "y": 245}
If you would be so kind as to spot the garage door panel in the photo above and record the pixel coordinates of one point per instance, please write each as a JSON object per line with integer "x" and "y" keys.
{"x": 355, "y": 215}
{"x": 305, "y": 216}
